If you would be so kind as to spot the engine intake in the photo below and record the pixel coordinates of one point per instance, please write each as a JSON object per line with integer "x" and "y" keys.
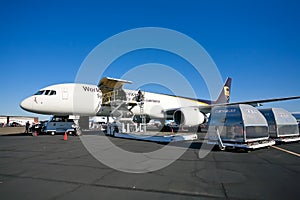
{"x": 189, "y": 116}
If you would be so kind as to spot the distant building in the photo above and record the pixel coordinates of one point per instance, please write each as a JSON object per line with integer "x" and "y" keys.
{"x": 4, "y": 120}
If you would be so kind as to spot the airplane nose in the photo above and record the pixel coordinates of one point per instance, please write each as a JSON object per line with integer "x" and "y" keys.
{"x": 26, "y": 104}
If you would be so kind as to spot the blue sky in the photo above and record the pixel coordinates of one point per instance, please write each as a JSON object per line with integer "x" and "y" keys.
{"x": 254, "y": 42}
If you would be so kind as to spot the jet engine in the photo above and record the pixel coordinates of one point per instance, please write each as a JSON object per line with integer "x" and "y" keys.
{"x": 189, "y": 116}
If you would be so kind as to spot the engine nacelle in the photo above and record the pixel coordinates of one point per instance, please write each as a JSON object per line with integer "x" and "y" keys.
{"x": 190, "y": 116}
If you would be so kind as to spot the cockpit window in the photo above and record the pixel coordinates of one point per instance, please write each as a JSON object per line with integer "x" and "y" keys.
{"x": 53, "y": 92}
{"x": 47, "y": 92}
{"x": 39, "y": 92}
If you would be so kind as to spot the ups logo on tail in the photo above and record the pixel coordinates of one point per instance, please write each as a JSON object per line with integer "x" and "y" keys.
{"x": 227, "y": 92}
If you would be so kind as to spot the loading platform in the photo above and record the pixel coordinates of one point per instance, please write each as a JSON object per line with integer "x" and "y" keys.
{"x": 250, "y": 146}
{"x": 158, "y": 138}
{"x": 287, "y": 139}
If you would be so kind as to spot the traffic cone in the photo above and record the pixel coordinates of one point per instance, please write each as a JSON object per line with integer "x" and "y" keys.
{"x": 66, "y": 136}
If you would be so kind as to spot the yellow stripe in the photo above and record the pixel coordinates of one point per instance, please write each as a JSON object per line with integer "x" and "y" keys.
{"x": 287, "y": 151}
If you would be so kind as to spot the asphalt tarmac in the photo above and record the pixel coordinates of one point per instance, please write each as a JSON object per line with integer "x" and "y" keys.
{"x": 47, "y": 167}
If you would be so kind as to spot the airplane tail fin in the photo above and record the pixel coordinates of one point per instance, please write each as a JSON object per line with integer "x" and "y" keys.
{"x": 224, "y": 95}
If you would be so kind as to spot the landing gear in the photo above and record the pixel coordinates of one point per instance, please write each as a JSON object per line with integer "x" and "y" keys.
{"x": 76, "y": 126}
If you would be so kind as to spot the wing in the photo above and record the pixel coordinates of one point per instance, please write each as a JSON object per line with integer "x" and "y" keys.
{"x": 207, "y": 108}
{"x": 259, "y": 102}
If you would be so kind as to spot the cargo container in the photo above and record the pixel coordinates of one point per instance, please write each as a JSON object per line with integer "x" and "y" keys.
{"x": 283, "y": 126}
{"x": 240, "y": 126}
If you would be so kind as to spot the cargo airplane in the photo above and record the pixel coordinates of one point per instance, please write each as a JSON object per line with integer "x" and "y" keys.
{"x": 108, "y": 98}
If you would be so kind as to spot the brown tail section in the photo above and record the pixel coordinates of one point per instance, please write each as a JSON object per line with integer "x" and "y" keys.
{"x": 224, "y": 95}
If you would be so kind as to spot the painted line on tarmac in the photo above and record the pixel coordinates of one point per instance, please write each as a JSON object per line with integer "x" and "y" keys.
{"x": 287, "y": 151}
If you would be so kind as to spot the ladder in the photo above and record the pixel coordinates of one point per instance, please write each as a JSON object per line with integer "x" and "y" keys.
{"x": 143, "y": 124}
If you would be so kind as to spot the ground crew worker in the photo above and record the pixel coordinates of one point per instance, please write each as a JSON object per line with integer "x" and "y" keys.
{"x": 27, "y": 127}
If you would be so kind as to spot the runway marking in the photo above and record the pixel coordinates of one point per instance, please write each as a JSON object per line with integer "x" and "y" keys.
{"x": 287, "y": 151}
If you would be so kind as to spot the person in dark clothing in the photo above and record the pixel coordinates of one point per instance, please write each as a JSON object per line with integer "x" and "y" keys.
{"x": 139, "y": 96}
{"x": 27, "y": 127}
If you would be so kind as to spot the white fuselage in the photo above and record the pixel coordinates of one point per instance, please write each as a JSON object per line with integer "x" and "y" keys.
{"x": 86, "y": 100}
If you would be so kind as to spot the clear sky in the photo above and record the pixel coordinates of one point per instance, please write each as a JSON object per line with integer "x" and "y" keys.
{"x": 254, "y": 42}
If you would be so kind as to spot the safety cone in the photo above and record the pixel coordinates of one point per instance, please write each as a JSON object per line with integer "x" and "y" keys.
{"x": 66, "y": 136}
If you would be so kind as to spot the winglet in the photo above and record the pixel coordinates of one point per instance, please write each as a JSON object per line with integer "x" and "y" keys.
{"x": 224, "y": 95}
